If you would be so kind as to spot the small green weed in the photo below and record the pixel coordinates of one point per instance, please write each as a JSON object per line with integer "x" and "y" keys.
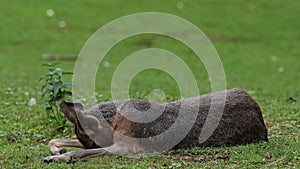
{"x": 53, "y": 90}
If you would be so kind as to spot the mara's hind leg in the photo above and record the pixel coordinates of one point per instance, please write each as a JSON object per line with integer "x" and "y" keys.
{"x": 88, "y": 153}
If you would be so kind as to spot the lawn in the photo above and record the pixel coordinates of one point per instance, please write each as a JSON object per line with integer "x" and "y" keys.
{"x": 257, "y": 41}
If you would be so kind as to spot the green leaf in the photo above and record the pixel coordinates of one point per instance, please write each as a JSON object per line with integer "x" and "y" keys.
{"x": 50, "y": 80}
{"x": 46, "y": 92}
{"x": 52, "y": 103}
{"x": 48, "y": 74}
{"x": 43, "y": 77}
{"x": 58, "y": 70}
{"x": 58, "y": 96}
{"x": 50, "y": 64}
{"x": 56, "y": 87}
{"x": 68, "y": 93}
{"x": 43, "y": 87}
{"x": 67, "y": 73}
{"x": 68, "y": 84}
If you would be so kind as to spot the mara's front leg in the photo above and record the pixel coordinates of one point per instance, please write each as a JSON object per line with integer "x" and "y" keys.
{"x": 55, "y": 144}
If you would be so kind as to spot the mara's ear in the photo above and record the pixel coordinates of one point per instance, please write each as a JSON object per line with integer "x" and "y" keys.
{"x": 69, "y": 109}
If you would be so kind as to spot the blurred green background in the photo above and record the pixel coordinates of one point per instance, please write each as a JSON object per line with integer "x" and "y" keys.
{"x": 257, "y": 41}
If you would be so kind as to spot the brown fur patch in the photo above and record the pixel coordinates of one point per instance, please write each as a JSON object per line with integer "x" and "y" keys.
{"x": 124, "y": 126}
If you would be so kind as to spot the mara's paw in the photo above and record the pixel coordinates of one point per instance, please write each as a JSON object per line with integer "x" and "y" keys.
{"x": 48, "y": 159}
{"x": 58, "y": 151}
{"x": 58, "y": 158}
{"x": 61, "y": 151}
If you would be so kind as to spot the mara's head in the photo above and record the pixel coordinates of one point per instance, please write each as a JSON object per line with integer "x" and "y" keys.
{"x": 90, "y": 131}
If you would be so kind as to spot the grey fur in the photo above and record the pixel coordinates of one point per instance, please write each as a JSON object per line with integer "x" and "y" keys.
{"x": 241, "y": 123}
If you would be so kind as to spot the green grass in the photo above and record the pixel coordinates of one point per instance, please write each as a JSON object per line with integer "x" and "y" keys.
{"x": 246, "y": 34}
